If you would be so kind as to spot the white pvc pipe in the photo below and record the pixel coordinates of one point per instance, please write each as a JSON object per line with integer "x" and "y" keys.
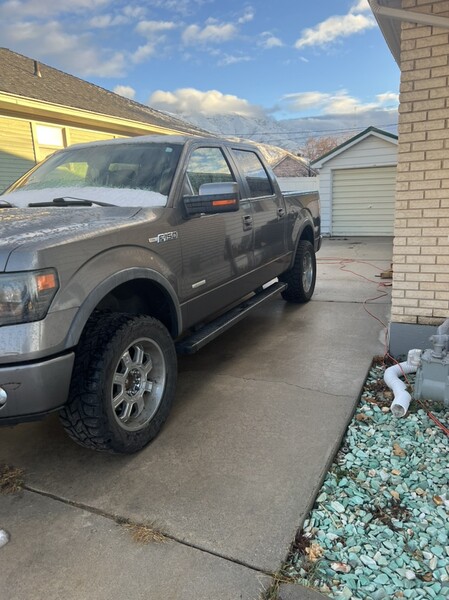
{"x": 443, "y": 329}
{"x": 402, "y": 398}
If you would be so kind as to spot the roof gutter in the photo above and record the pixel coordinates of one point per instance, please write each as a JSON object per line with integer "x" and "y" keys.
{"x": 389, "y": 16}
{"x": 410, "y": 16}
{"x": 14, "y": 106}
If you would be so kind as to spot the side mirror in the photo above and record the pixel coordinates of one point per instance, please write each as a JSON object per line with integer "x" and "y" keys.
{"x": 213, "y": 198}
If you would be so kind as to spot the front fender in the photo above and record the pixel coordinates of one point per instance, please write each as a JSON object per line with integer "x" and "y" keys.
{"x": 106, "y": 286}
{"x": 80, "y": 293}
{"x": 103, "y": 273}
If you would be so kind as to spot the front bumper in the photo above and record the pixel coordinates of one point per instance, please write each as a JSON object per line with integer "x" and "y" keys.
{"x": 33, "y": 389}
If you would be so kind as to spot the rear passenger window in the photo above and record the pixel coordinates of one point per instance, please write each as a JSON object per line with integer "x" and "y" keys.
{"x": 207, "y": 165}
{"x": 254, "y": 173}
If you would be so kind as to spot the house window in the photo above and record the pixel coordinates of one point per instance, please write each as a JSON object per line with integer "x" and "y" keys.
{"x": 48, "y": 140}
{"x": 50, "y": 136}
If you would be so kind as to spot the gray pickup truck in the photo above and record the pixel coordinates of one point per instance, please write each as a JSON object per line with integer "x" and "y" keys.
{"x": 116, "y": 256}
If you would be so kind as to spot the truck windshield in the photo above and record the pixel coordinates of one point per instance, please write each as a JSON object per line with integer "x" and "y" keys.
{"x": 136, "y": 166}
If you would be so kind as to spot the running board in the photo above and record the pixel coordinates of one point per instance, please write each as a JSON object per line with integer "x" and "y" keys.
{"x": 209, "y": 332}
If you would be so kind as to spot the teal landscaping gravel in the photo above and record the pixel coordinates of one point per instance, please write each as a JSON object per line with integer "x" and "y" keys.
{"x": 380, "y": 525}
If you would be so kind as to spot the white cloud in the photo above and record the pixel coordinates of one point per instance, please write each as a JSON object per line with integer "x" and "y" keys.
{"x": 183, "y": 7}
{"x": 361, "y": 6}
{"x": 342, "y": 104}
{"x": 104, "y": 21}
{"x": 338, "y": 103}
{"x": 73, "y": 52}
{"x": 229, "y": 59}
{"x": 338, "y": 26}
{"x": 247, "y": 16}
{"x": 125, "y": 90}
{"x": 134, "y": 12}
{"x": 211, "y": 102}
{"x": 389, "y": 98}
{"x": 143, "y": 53}
{"x": 152, "y": 30}
{"x": 342, "y": 124}
{"x": 48, "y": 8}
{"x": 270, "y": 41}
{"x": 304, "y": 100}
{"x": 127, "y": 15}
{"x": 212, "y": 33}
{"x": 64, "y": 34}
{"x": 149, "y": 28}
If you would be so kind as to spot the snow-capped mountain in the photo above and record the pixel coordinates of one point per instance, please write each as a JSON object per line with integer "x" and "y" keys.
{"x": 257, "y": 129}
{"x": 291, "y": 134}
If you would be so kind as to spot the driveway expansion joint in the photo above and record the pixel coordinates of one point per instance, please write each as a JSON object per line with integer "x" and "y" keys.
{"x": 120, "y": 520}
{"x": 294, "y": 385}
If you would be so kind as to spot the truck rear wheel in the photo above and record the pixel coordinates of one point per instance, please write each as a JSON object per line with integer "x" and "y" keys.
{"x": 123, "y": 383}
{"x": 302, "y": 276}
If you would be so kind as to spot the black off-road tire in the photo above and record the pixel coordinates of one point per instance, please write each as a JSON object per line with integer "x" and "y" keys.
{"x": 89, "y": 416}
{"x": 301, "y": 277}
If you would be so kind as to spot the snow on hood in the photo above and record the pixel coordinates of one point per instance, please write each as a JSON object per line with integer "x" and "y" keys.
{"x": 32, "y": 229}
{"x": 114, "y": 196}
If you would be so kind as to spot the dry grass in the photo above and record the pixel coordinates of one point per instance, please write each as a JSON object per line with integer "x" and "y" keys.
{"x": 272, "y": 592}
{"x": 11, "y": 479}
{"x": 144, "y": 534}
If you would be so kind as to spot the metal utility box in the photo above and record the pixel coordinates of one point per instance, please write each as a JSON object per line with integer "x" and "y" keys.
{"x": 432, "y": 377}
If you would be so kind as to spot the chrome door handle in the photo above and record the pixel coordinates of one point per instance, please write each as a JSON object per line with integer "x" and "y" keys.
{"x": 247, "y": 222}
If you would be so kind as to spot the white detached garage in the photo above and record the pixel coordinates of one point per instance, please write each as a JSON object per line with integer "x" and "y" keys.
{"x": 357, "y": 185}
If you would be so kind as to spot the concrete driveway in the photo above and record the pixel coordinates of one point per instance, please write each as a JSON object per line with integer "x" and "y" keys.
{"x": 259, "y": 414}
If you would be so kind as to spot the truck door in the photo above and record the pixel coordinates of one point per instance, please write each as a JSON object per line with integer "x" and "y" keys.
{"x": 215, "y": 247}
{"x": 269, "y": 215}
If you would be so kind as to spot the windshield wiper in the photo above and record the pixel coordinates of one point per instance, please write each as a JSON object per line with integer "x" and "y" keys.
{"x": 6, "y": 204}
{"x": 70, "y": 201}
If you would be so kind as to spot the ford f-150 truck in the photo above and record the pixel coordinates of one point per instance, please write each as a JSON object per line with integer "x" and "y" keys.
{"x": 116, "y": 256}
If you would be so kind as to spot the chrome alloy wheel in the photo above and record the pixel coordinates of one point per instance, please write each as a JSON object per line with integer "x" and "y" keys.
{"x": 138, "y": 384}
{"x": 307, "y": 272}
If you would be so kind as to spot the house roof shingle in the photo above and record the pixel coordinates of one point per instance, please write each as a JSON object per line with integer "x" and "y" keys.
{"x": 17, "y": 77}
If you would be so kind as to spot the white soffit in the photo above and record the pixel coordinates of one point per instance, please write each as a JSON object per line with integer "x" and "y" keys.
{"x": 389, "y": 15}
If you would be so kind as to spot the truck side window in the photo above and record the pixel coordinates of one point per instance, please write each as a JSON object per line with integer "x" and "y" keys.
{"x": 254, "y": 172}
{"x": 207, "y": 165}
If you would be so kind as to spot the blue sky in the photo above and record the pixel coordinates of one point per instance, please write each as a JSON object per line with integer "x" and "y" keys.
{"x": 284, "y": 58}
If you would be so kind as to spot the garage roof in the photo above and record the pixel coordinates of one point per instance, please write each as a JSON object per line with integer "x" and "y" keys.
{"x": 380, "y": 133}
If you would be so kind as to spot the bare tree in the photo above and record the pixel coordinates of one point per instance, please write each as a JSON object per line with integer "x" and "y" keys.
{"x": 315, "y": 147}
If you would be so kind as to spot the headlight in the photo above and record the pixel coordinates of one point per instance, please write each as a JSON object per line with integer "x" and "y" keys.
{"x": 26, "y": 297}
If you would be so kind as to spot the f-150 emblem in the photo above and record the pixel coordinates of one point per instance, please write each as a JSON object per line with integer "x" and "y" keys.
{"x": 164, "y": 237}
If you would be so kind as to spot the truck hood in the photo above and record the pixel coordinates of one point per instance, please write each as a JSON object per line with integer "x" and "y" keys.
{"x": 35, "y": 228}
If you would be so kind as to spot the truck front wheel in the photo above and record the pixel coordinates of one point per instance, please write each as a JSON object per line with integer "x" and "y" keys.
{"x": 123, "y": 383}
{"x": 302, "y": 276}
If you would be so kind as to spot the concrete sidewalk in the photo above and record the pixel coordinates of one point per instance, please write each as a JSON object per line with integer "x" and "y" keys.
{"x": 259, "y": 414}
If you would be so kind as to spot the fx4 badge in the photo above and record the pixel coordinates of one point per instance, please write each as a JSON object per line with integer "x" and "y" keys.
{"x": 164, "y": 237}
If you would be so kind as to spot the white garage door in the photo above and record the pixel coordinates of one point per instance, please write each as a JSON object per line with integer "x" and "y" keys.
{"x": 363, "y": 201}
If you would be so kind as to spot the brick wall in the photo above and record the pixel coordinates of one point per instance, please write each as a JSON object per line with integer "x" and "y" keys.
{"x": 421, "y": 246}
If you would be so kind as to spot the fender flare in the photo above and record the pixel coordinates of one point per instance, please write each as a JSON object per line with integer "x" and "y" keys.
{"x": 304, "y": 225}
{"x": 109, "y": 284}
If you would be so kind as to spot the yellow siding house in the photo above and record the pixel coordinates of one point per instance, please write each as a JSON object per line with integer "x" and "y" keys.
{"x": 43, "y": 109}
